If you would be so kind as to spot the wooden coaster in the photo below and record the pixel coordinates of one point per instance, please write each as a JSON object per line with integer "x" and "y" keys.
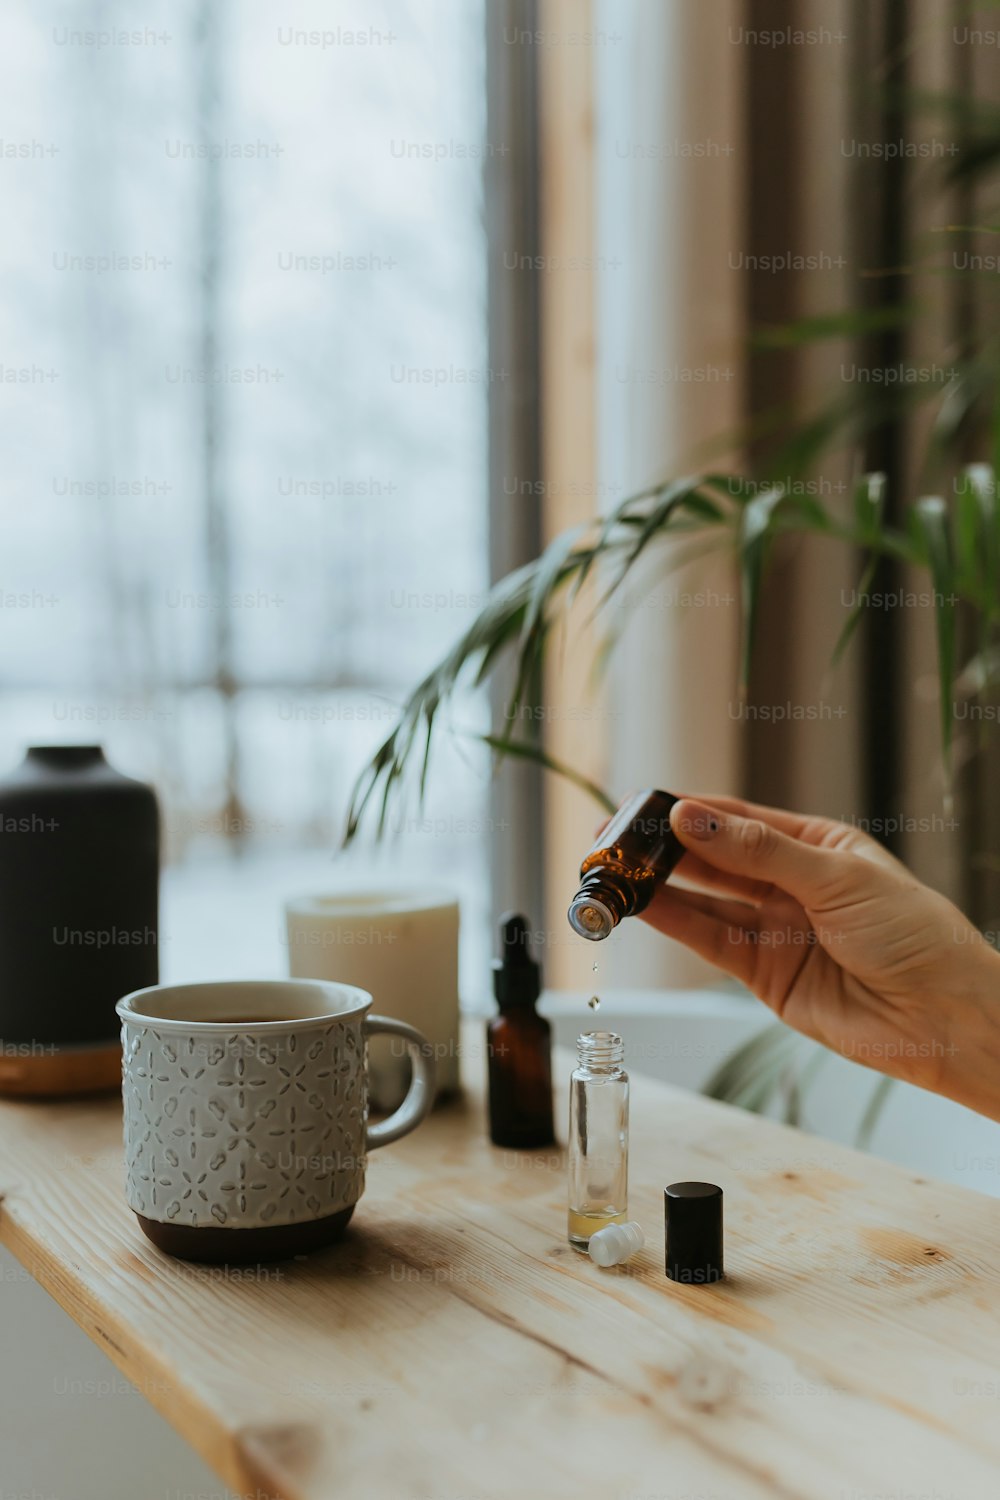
{"x": 84, "y": 1070}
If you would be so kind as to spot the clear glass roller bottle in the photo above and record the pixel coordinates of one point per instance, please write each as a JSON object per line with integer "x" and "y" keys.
{"x": 598, "y": 1137}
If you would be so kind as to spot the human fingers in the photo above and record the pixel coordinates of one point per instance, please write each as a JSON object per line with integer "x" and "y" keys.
{"x": 755, "y": 849}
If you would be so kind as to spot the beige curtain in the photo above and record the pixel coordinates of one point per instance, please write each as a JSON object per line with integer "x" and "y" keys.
{"x": 642, "y": 363}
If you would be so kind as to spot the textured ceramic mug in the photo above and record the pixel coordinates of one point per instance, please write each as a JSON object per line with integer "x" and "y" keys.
{"x": 246, "y": 1113}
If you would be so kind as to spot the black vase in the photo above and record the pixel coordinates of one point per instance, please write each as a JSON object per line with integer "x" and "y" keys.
{"x": 79, "y": 878}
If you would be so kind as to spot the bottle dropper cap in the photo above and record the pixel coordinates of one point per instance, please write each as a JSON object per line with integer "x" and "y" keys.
{"x": 693, "y": 1219}
{"x": 616, "y": 1243}
{"x": 517, "y": 979}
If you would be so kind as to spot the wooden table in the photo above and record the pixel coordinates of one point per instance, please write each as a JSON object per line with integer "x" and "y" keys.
{"x": 454, "y": 1347}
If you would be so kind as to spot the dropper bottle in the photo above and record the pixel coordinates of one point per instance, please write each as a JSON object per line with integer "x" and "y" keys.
{"x": 519, "y": 1047}
{"x": 634, "y": 852}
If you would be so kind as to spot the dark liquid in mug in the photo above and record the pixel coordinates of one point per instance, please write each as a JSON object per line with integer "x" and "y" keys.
{"x": 242, "y": 1020}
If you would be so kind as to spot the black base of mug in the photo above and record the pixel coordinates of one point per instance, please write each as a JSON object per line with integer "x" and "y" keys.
{"x": 241, "y": 1247}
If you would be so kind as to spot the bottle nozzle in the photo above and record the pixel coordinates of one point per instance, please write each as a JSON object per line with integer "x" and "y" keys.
{"x": 590, "y": 917}
{"x": 616, "y": 1243}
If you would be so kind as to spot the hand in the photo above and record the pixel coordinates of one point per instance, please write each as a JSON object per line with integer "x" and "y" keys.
{"x": 841, "y": 941}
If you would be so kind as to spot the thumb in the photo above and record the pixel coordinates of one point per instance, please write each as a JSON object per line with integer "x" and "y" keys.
{"x": 748, "y": 846}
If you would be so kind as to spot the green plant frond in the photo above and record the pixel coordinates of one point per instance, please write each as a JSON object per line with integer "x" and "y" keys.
{"x": 983, "y": 478}
{"x": 546, "y": 575}
{"x": 430, "y": 709}
{"x": 497, "y": 645}
{"x": 756, "y": 1069}
{"x": 515, "y": 617}
{"x": 838, "y": 422}
{"x": 947, "y": 102}
{"x": 561, "y": 558}
{"x": 753, "y": 1076}
{"x": 869, "y": 506}
{"x": 639, "y": 517}
{"x": 951, "y": 418}
{"x": 703, "y": 511}
{"x": 525, "y": 750}
{"x": 965, "y": 229}
{"x": 980, "y": 672}
{"x": 669, "y": 506}
{"x": 628, "y": 513}
{"x": 754, "y": 540}
{"x": 736, "y": 487}
{"x": 803, "y": 513}
{"x": 970, "y": 387}
{"x": 758, "y": 512}
{"x": 931, "y": 518}
{"x": 970, "y": 531}
{"x": 862, "y": 408}
{"x": 873, "y": 1110}
{"x": 682, "y": 555}
{"x": 852, "y": 323}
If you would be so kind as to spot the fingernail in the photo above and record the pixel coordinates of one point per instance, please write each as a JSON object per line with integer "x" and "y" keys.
{"x": 698, "y": 821}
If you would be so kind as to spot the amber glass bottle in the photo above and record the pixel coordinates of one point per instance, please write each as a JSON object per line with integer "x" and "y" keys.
{"x": 633, "y": 854}
{"x": 519, "y": 1047}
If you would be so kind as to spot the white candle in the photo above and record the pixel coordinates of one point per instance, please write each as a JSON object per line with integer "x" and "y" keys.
{"x": 400, "y": 945}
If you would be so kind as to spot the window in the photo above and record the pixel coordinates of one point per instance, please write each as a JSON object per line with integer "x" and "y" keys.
{"x": 244, "y": 394}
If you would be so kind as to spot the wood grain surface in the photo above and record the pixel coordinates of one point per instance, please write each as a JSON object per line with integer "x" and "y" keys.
{"x": 453, "y": 1346}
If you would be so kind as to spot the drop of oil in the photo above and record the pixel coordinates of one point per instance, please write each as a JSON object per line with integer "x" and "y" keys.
{"x": 594, "y": 1002}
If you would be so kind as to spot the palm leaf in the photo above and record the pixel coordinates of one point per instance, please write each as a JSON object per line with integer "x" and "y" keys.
{"x": 525, "y": 596}
{"x": 755, "y": 536}
{"x": 931, "y": 520}
{"x": 526, "y": 750}
{"x": 756, "y": 1069}
{"x": 546, "y": 574}
{"x": 968, "y": 538}
{"x": 983, "y": 478}
{"x": 873, "y": 1110}
{"x": 852, "y": 323}
{"x": 869, "y": 507}
{"x": 674, "y": 496}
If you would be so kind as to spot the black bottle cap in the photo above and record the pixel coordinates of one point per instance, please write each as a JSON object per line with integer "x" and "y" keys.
{"x": 517, "y": 979}
{"x": 693, "y": 1220}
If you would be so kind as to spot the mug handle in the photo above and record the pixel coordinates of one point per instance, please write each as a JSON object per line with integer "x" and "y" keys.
{"x": 419, "y": 1096}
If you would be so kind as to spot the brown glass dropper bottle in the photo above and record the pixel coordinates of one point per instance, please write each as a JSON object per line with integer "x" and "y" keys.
{"x": 519, "y": 1047}
{"x": 633, "y": 854}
